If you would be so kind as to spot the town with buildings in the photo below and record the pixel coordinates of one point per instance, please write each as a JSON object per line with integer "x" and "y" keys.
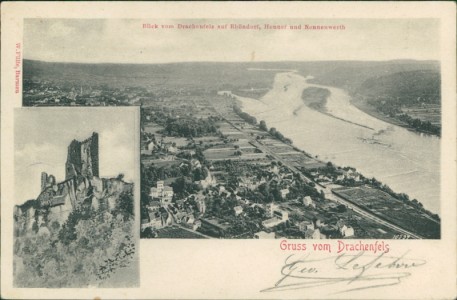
{"x": 55, "y": 92}
{"x": 210, "y": 170}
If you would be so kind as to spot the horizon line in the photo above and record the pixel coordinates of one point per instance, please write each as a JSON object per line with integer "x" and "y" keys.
{"x": 235, "y": 61}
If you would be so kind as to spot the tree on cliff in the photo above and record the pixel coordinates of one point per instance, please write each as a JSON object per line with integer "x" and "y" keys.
{"x": 67, "y": 233}
{"x": 125, "y": 204}
{"x": 263, "y": 125}
{"x": 89, "y": 248}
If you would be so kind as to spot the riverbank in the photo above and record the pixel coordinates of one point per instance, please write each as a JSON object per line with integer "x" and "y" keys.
{"x": 367, "y": 194}
{"x": 410, "y": 165}
{"x": 370, "y": 110}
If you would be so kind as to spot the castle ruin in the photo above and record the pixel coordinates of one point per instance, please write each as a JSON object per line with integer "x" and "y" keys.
{"x": 81, "y": 187}
{"x": 82, "y": 158}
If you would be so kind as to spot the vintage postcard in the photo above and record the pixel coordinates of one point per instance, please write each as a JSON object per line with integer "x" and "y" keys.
{"x": 229, "y": 150}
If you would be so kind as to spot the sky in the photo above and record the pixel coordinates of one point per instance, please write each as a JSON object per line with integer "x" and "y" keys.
{"x": 125, "y": 40}
{"x": 42, "y": 136}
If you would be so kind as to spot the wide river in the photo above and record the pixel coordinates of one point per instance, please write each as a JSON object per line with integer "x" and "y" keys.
{"x": 406, "y": 161}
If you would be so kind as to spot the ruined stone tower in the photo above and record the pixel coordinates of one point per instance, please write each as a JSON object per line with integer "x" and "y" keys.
{"x": 47, "y": 180}
{"x": 82, "y": 158}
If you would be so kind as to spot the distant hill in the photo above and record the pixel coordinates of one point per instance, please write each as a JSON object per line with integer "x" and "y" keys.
{"x": 412, "y": 98}
{"x": 406, "y": 86}
{"x": 219, "y": 75}
{"x": 213, "y": 76}
{"x": 397, "y": 78}
{"x": 352, "y": 75}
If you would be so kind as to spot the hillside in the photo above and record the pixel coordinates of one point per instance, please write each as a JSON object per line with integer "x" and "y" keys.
{"x": 411, "y": 99}
{"x": 405, "y": 87}
{"x": 211, "y": 76}
{"x": 219, "y": 75}
{"x": 86, "y": 250}
{"x": 352, "y": 75}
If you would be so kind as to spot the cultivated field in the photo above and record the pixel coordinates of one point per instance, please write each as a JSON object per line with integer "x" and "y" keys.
{"x": 386, "y": 207}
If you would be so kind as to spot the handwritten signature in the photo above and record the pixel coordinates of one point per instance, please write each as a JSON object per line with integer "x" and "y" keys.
{"x": 348, "y": 272}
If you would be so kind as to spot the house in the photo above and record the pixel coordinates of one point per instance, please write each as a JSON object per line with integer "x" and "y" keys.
{"x": 307, "y": 201}
{"x": 238, "y": 210}
{"x": 258, "y": 207}
{"x": 190, "y": 219}
{"x": 164, "y": 193}
{"x": 160, "y": 185}
{"x": 208, "y": 181}
{"x": 281, "y": 215}
{"x": 189, "y": 152}
{"x": 144, "y": 224}
{"x": 271, "y": 208}
{"x": 224, "y": 93}
{"x": 332, "y": 205}
{"x": 340, "y": 224}
{"x": 305, "y": 225}
{"x": 197, "y": 224}
{"x": 170, "y": 148}
{"x": 154, "y": 193}
{"x": 343, "y": 229}
{"x": 288, "y": 176}
{"x": 145, "y": 152}
{"x": 274, "y": 211}
{"x": 284, "y": 193}
{"x": 314, "y": 234}
{"x": 154, "y": 221}
{"x": 180, "y": 203}
{"x": 195, "y": 163}
{"x": 272, "y": 222}
{"x": 154, "y": 205}
{"x": 168, "y": 192}
{"x": 274, "y": 169}
{"x": 165, "y": 201}
{"x": 319, "y": 223}
{"x": 347, "y": 231}
{"x": 323, "y": 178}
{"x": 151, "y": 146}
{"x": 244, "y": 181}
{"x": 264, "y": 235}
{"x": 201, "y": 205}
